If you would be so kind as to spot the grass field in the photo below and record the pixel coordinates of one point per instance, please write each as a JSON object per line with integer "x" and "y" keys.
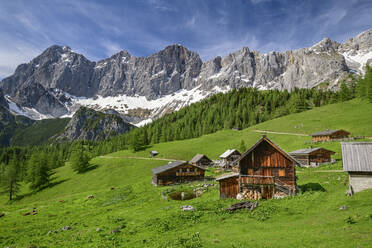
{"x": 143, "y": 218}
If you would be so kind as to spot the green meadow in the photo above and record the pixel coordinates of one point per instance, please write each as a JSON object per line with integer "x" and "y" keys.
{"x": 134, "y": 213}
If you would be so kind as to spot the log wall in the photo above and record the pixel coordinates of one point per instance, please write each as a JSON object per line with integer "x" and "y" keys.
{"x": 180, "y": 174}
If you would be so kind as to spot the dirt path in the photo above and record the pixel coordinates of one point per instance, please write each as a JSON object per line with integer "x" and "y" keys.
{"x": 162, "y": 159}
{"x": 296, "y": 134}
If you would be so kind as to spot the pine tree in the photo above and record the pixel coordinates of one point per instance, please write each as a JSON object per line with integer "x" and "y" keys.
{"x": 368, "y": 82}
{"x": 79, "y": 161}
{"x": 242, "y": 146}
{"x": 10, "y": 178}
{"x": 344, "y": 93}
{"x": 38, "y": 173}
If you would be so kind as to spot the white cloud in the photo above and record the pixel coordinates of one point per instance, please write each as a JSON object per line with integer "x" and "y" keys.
{"x": 224, "y": 47}
{"x": 13, "y": 55}
{"x": 111, "y": 47}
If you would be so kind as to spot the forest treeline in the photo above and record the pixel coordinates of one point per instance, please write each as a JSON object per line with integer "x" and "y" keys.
{"x": 236, "y": 109}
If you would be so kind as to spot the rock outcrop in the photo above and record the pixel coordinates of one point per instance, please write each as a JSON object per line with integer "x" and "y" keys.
{"x": 87, "y": 124}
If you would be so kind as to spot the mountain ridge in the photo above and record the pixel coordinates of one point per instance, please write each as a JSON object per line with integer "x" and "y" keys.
{"x": 55, "y": 82}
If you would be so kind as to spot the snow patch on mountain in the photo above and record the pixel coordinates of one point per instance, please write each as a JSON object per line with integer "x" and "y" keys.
{"x": 360, "y": 57}
{"x": 28, "y": 112}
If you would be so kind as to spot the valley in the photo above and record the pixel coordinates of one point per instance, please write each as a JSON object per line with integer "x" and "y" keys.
{"x": 143, "y": 218}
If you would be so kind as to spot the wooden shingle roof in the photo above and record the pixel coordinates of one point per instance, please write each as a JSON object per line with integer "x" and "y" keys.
{"x": 328, "y": 132}
{"x": 357, "y": 156}
{"x": 307, "y": 151}
{"x": 171, "y": 165}
{"x": 197, "y": 157}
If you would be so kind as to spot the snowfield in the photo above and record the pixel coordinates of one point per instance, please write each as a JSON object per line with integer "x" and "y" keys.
{"x": 123, "y": 104}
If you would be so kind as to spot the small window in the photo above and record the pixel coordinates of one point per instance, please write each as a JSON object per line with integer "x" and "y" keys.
{"x": 195, "y": 170}
{"x": 188, "y": 169}
{"x": 281, "y": 172}
{"x": 180, "y": 170}
{"x": 250, "y": 171}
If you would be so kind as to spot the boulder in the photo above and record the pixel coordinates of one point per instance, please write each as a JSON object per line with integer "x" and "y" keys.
{"x": 65, "y": 228}
{"x": 187, "y": 208}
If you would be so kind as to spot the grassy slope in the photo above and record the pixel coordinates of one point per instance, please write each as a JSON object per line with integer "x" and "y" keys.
{"x": 39, "y": 133}
{"x": 310, "y": 219}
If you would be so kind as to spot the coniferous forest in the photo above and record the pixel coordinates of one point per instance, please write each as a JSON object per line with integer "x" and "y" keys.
{"x": 236, "y": 109}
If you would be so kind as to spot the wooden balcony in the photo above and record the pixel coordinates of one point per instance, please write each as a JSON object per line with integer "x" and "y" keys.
{"x": 258, "y": 180}
{"x": 187, "y": 174}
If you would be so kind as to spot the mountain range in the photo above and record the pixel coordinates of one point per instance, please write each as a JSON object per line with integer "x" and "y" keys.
{"x": 59, "y": 81}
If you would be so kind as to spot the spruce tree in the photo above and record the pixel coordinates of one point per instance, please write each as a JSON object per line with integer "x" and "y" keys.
{"x": 368, "y": 82}
{"x": 38, "y": 172}
{"x": 79, "y": 161}
{"x": 242, "y": 146}
{"x": 10, "y": 178}
{"x": 345, "y": 93}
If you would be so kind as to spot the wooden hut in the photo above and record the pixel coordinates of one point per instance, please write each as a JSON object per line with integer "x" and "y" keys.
{"x": 357, "y": 161}
{"x": 229, "y": 158}
{"x": 330, "y": 135}
{"x": 264, "y": 170}
{"x": 153, "y": 153}
{"x": 201, "y": 160}
{"x": 176, "y": 172}
{"x": 312, "y": 156}
{"x": 229, "y": 185}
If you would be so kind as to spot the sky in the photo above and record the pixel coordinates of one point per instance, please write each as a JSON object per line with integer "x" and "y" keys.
{"x": 98, "y": 29}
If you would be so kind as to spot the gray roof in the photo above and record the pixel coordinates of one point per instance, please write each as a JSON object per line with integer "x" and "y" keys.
{"x": 224, "y": 176}
{"x": 171, "y": 165}
{"x": 328, "y": 132}
{"x": 197, "y": 157}
{"x": 228, "y": 153}
{"x": 357, "y": 156}
{"x": 154, "y": 152}
{"x": 307, "y": 150}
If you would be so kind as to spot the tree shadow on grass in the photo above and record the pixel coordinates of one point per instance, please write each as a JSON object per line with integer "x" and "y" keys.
{"x": 50, "y": 185}
{"x": 92, "y": 167}
{"x": 308, "y": 187}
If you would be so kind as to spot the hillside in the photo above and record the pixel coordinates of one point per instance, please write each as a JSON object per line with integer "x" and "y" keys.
{"x": 39, "y": 133}
{"x": 143, "y": 219}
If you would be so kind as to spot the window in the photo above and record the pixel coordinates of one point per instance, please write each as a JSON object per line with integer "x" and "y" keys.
{"x": 188, "y": 169}
{"x": 196, "y": 170}
{"x": 180, "y": 170}
{"x": 281, "y": 172}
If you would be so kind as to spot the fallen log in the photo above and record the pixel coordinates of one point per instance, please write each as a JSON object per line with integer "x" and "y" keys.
{"x": 242, "y": 205}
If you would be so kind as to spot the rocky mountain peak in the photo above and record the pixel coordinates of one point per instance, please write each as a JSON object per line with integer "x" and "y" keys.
{"x": 325, "y": 45}
{"x": 52, "y": 83}
{"x": 363, "y": 41}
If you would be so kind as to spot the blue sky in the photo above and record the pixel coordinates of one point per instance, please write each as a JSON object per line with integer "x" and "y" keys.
{"x": 98, "y": 29}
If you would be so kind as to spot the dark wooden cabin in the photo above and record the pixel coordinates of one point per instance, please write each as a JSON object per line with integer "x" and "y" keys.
{"x": 330, "y": 135}
{"x": 201, "y": 160}
{"x": 264, "y": 169}
{"x": 312, "y": 156}
{"x": 176, "y": 172}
